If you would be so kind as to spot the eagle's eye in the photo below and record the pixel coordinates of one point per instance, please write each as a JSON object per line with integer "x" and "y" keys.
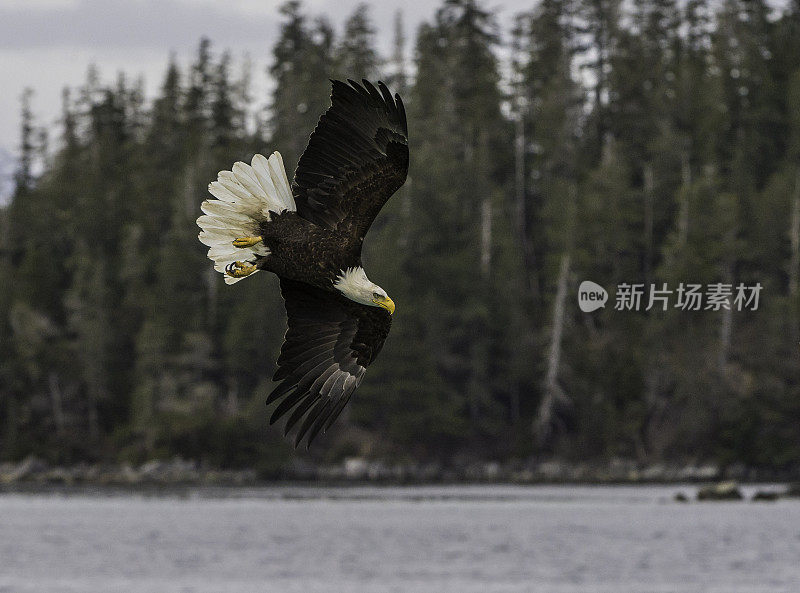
{"x": 376, "y": 295}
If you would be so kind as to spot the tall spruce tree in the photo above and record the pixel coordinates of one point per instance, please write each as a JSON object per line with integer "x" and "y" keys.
{"x": 546, "y": 102}
{"x": 303, "y": 63}
{"x": 356, "y": 57}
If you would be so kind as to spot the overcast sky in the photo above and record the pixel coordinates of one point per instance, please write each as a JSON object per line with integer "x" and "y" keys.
{"x": 48, "y": 44}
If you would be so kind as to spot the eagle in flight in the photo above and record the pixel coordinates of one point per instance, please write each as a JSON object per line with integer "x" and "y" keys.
{"x": 310, "y": 235}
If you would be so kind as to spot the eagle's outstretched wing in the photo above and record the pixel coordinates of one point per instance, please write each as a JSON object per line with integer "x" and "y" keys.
{"x": 356, "y": 158}
{"x": 330, "y": 342}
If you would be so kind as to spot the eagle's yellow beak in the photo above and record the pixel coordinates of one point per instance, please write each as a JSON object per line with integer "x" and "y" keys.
{"x": 386, "y": 303}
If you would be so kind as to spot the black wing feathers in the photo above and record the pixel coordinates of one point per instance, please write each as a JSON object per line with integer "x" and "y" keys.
{"x": 330, "y": 342}
{"x": 356, "y": 158}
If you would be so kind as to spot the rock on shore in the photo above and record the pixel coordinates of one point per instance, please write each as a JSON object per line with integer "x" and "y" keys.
{"x": 720, "y": 491}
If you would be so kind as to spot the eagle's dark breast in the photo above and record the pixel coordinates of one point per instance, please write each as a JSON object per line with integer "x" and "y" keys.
{"x": 303, "y": 251}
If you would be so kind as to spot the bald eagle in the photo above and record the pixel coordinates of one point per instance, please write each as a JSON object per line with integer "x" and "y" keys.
{"x": 310, "y": 235}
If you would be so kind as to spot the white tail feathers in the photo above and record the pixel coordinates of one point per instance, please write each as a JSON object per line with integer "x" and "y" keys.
{"x": 246, "y": 197}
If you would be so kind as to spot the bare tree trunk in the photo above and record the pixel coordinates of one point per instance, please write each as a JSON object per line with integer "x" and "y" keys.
{"x": 725, "y": 338}
{"x": 146, "y": 424}
{"x": 405, "y": 212}
{"x": 649, "y": 185}
{"x": 602, "y": 43}
{"x": 212, "y": 296}
{"x": 189, "y": 197}
{"x": 554, "y": 356}
{"x": 726, "y": 326}
{"x": 232, "y": 400}
{"x": 479, "y": 389}
{"x": 400, "y": 80}
{"x": 399, "y": 54}
{"x": 94, "y": 418}
{"x": 486, "y": 237}
{"x": 521, "y": 210}
{"x": 519, "y": 175}
{"x": 652, "y": 398}
{"x": 480, "y": 344}
{"x": 8, "y": 441}
{"x": 482, "y": 166}
{"x": 545, "y": 417}
{"x": 56, "y": 402}
{"x": 794, "y": 263}
{"x": 12, "y": 426}
{"x": 683, "y": 213}
{"x": 514, "y": 404}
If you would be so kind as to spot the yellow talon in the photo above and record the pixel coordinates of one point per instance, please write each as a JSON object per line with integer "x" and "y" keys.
{"x": 247, "y": 241}
{"x": 240, "y": 269}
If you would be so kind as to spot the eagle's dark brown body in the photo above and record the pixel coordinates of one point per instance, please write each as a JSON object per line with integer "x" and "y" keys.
{"x": 303, "y": 251}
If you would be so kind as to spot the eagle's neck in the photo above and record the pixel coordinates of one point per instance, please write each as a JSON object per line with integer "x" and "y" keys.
{"x": 353, "y": 283}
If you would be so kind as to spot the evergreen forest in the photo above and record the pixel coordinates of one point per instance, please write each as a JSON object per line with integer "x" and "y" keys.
{"x": 650, "y": 142}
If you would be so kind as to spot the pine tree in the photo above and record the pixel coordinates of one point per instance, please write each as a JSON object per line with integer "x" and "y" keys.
{"x": 87, "y": 304}
{"x": 302, "y": 68}
{"x": 356, "y": 57}
{"x": 198, "y": 97}
{"x": 601, "y": 18}
{"x": 547, "y": 103}
{"x": 24, "y": 175}
{"x": 456, "y": 116}
{"x": 398, "y": 78}
{"x": 224, "y": 118}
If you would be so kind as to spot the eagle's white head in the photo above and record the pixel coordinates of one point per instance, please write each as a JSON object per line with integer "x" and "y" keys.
{"x": 354, "y": 284}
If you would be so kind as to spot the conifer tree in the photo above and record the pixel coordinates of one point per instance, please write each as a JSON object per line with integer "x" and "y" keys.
{"x": 356, "y": 57}
{"x": 301, "y": 70}
{"x": 456, "y": 108}
{"x": 398, "y": 78}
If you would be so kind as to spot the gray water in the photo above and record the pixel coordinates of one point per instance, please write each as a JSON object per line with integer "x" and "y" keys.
{"x": 428, "y": 539}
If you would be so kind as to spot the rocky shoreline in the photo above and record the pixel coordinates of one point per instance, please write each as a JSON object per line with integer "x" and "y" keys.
{"x": 34, "y": 471}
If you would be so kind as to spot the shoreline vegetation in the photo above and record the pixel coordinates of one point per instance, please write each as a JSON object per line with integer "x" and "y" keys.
{"x": 715, "y": 483}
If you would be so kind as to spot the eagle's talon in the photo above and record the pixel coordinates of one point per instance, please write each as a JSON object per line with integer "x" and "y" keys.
{"x": 242, "y": 242}
{"x": 240, "y": 269}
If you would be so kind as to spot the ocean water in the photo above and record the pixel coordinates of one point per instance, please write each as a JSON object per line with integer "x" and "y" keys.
{"x": 456, "y": 539}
